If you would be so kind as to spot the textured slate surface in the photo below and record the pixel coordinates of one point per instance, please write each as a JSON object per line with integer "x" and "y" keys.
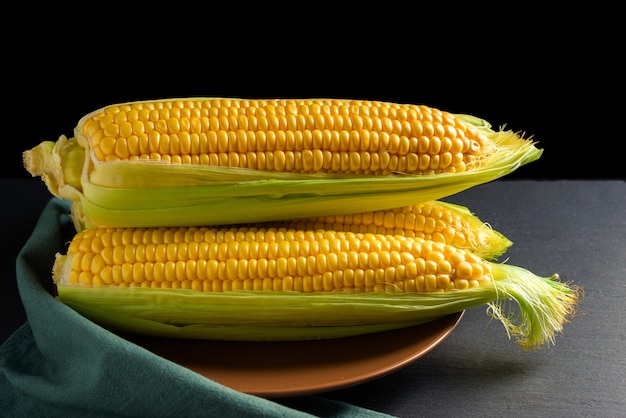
{"x": 574, "y": 227}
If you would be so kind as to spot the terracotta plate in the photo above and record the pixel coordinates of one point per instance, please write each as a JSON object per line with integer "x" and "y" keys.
{"x": 282, "y": 369}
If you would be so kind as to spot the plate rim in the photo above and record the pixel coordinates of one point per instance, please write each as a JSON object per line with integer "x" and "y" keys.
{"x": 443, "y": 327}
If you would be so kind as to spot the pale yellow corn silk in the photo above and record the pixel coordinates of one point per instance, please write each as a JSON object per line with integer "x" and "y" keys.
{"x": 204, "y": 168}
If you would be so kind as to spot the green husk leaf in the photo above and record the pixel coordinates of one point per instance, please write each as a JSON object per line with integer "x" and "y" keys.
{"x": 223, "y": 201}
{"x": 545, "y": 304}
{"x": 485, "y": 242}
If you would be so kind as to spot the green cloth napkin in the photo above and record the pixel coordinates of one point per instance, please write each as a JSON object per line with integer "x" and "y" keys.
{"x": 59, "y": 364}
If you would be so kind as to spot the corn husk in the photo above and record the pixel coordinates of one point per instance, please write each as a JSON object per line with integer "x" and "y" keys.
{"x": 544, "y": 305}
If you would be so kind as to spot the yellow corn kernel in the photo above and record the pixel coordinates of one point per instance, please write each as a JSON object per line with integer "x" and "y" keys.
{"x": 433, "y": 220}
{"x": 267, "y": 259}
{"x": 277, "y": 135}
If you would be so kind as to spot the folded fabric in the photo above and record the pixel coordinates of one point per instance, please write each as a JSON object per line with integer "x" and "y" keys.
{"x": 59, "y": 364}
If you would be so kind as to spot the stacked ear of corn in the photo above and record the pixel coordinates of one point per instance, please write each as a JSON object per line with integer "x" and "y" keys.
{"x": 287, "y": 219}
{"x": 209, "y": 161}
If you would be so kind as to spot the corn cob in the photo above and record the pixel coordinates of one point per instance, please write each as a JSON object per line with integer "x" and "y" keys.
{"x": 434, "y": 220}
{"x": 198, "y": 161}
{"x": 244, "y": 283}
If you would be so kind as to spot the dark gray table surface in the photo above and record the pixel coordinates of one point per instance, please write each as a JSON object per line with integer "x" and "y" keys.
{"x": 576, "y": 228}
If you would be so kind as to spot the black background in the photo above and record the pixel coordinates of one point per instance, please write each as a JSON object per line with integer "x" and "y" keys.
{"x": 555, "y": 74}
{"x": 556, "y": 77}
